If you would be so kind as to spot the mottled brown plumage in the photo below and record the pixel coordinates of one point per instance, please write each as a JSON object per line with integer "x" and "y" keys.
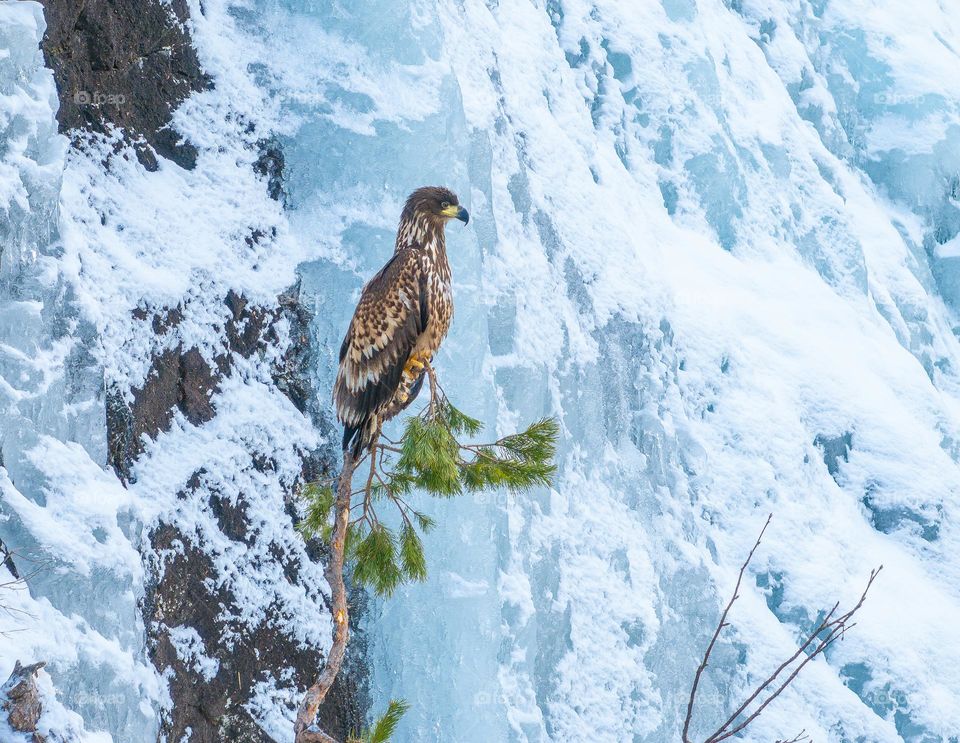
{"x": 402, "y": 317}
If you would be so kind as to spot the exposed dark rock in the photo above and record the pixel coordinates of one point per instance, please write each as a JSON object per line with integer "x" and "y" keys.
{"x": 6, "y": 559}
{"x": 21, "y": 699}
{"x": 292, "y": 376}
{"x": 245, "y": 331}
{"x": 270, "y": 165}
{"x": 213, "y": 707}
{"x": 124, "y": 63}
{"x": 184, "y": 380}
{"x": 231, "y": 516}
{"x": 181, "y": 594}
{"x": 186, "y": 589}
{"x": 177, "y": 381}
{"x": 197, "y": 384}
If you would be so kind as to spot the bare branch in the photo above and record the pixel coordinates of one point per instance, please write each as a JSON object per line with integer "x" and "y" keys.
{"x": 828, "y": 630}
{"x": 798, "y": 738}
{"x": 20, "y": 582}
{"x": 835, "y": 629}
{"x": 713, "y": 640}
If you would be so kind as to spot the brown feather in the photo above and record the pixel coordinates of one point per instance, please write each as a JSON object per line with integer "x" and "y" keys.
{"x": 384, "y": 331}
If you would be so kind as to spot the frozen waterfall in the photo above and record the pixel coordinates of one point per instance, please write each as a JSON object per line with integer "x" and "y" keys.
{"x": 716, "y": 241}
{"x": 719, "y": 239}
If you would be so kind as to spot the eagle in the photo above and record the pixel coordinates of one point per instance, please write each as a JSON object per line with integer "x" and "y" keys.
{"x": 402, "y": 318}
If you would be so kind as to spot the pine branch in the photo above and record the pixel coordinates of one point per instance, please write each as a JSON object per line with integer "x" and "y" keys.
{"x": 376, "y": 561}
{"x": 413, "y": 562}
{"x": 384, "y": 728}
{"x": 459, "y": 422}
{"x": 320, "y": 499}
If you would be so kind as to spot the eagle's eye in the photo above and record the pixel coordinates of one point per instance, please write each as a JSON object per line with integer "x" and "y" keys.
{"x": 445, "y": 204}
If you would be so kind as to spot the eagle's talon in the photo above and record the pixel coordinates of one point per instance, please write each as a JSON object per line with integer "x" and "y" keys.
{"x": 413, "y": 367}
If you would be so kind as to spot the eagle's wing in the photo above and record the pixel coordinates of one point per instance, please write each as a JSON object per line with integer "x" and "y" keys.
{"x": 392, "y": 313}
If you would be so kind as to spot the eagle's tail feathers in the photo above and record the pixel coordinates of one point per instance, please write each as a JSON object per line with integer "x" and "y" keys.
{"x": 349, "y": 433}
{"x": 357, "y": 439}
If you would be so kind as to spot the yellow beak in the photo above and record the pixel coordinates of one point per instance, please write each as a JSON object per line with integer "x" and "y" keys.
{"x": 456, "y": 212}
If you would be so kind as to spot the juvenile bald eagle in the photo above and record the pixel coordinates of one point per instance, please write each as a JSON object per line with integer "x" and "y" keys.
{"x": 403, "y": 316}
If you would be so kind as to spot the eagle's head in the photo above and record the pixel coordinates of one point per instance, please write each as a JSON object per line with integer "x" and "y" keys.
{"x": 435, "y": 204}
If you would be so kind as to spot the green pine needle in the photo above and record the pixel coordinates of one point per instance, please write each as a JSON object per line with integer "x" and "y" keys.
{"x": 433, "y": 460}
{"x": 518, "y": 462}
{"x": 429, "y": 453}
{"x": 376, "y": 561}
{"x": 430, "y": 459}
{"x": 459, "y": 422}
{"x": 424, "y": 522}
{"x": 384, "y": 728}
{"x": 413, "y": 562}
{"x": 326, "y": 533}
{"x": 400, "y": 483}
{"x": 539, "y": 442}
{"x": 319, "y": 499}
{"x": 492, "y": 470}
{"x": 355, "y": 537}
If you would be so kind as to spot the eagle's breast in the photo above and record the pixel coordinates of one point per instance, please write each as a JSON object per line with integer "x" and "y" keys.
{"x": 441, "y": 305}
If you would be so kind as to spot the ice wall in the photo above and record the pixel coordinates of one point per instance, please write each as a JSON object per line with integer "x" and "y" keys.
{"x": 59, "y": 509}
{"x": 715, "y": 239}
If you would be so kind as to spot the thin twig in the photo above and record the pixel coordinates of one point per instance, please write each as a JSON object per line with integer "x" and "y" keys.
{"x": 434, "y": 386}
{"x": 20, "y": 582}
{"x": 798, "y": 738}
{"x": 835, "y": 628}
{"x": 373, "y": 467}
{"x": 772, "y": 677}
{"x": 713, "y": 640}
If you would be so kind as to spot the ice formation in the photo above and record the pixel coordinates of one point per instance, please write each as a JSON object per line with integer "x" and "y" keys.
{"x": 59, "y": 508}
{"x": 718, "y": 239}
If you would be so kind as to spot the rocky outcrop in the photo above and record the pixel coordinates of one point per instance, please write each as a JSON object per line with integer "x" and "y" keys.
{"x": 125, "y": 64}
{"x": 20, "y": 700}
{"x": 213, "y": 705}
{"x": 187, "y": 589}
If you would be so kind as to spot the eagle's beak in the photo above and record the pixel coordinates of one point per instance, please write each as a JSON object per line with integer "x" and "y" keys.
{"x": 457, "y": 212}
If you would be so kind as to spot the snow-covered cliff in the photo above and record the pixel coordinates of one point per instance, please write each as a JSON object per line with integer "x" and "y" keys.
{"x": 159, "y": 409}
{"x": 717, "y": 239}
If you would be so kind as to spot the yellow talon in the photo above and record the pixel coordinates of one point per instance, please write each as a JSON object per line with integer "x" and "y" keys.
{"x": 402, "y": 396}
